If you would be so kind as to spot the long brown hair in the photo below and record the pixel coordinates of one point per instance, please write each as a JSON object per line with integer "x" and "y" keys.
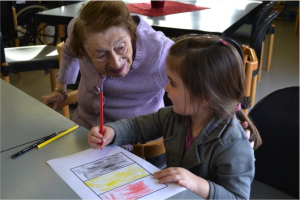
{"x": 97, "y": 16}
{"x": 213, "y": 70}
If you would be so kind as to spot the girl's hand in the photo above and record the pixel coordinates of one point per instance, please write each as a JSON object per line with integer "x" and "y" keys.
{"x": 185, "y": 178}
{"x": 95, "y": 139}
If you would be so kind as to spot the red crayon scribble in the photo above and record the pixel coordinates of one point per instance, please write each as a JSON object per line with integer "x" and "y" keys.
{"x": 130, "y": 191}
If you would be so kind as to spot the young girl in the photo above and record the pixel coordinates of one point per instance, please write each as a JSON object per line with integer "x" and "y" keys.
{"x": 207, "y": 150}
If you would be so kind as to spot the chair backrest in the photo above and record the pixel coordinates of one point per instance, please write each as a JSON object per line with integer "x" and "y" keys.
{"x": 236, "y": 45}
{"x": 261, "y": 15}
{"x": 250, "y": 60}
{"x": 250, "y": 64}
{"x": 150, "y": 149}
{"x": 59, "y": 47}
{"x": 259, "y": 34}
{"x": 72, "y": 96}
{"x": 277, "y": 160}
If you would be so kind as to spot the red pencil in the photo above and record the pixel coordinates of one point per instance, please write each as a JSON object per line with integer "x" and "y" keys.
{"x": 101, "y": 115}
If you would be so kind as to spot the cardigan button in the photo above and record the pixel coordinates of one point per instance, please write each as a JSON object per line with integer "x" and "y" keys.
{"x": 96, "y": 89}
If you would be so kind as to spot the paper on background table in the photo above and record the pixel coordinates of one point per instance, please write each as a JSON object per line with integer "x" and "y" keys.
{"x": 111, "y": 173}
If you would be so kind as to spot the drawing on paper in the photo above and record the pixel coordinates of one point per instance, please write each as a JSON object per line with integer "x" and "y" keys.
{"x": 117, "y": 177}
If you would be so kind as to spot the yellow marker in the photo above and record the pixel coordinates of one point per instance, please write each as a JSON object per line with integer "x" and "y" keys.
{"x": 58, "y": 136}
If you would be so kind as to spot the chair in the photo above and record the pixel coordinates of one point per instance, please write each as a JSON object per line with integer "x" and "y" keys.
{"x": 10, "y": 31}
{"x": 245, "y": 33}
{"x": 250, "y": 60}
{"x": 9, "y": 25}
{"x": 148, "y": 150}
{"x": 72, "y": 96}
{"x": 248, "y": 29}
{"x": 26, "y": 58}
{"x": 251, "y": 64}
{"x": 276, "y": 117}
{"x": 27, "y": 30}
{"x": 31, "y": 32}
{"x": 257, "y": 45}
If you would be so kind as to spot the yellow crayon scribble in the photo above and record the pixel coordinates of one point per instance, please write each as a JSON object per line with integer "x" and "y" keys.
{"x": 116, "y": 178}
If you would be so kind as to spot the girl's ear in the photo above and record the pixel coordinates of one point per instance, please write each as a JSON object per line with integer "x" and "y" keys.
{"x": 203, "y": 102}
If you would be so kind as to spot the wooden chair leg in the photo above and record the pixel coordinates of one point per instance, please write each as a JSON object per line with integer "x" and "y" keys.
{"x": 62, "y": 32}
{"x": 270, "y": 50}
{"x": 253, "y": 91}
{"x": 261, "y": 61}
{"x": 6, "y": 78}
{"x": 52, "y": 79}
{"x": 16, "y": 40}
{"x": 66, "y": 111}
{"x": 297, "y": 22}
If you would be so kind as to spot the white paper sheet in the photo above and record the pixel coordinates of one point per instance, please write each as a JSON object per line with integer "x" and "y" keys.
{"x": 111, "y": 173}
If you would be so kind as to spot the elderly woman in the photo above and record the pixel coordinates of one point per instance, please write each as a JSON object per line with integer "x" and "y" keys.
{"x": 118, "y": 54}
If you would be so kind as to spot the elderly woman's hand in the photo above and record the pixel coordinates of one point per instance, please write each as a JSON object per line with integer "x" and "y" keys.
{"x": 56, "y": 97}
{"x": 248, "y": 132}
{"x": 53, "y": 100}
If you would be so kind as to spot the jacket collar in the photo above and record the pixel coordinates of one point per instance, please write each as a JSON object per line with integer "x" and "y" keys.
{"x": 211, "y": 131}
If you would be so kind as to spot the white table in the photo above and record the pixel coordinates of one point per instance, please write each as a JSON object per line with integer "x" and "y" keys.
{"x": 24, "y": 119}
{"x": 223, "y": 17}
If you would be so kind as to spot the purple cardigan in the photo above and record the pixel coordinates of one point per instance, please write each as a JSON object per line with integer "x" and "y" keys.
{"x": 139, "y": 92}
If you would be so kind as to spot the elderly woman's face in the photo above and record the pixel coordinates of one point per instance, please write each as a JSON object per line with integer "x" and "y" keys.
{"x": 110, "y": 51}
